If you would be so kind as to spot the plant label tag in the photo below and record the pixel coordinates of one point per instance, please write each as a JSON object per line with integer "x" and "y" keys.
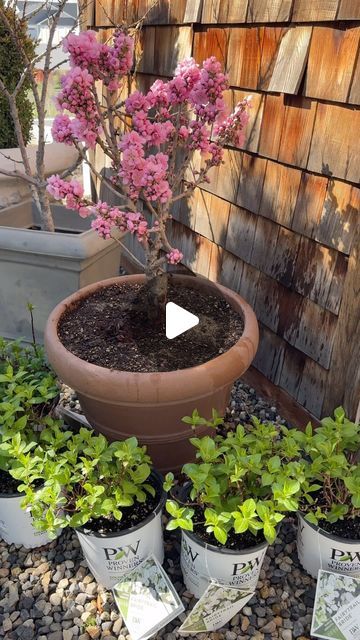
{"x": 348, "y": 620}
{"x": 147, "y": 599}
{"x": 215, "y": 608}
{"x": 337, "y": 607}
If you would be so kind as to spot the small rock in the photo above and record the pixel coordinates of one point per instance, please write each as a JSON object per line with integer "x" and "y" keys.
{"x": 4, "y": 572}
{"x": 91, "y": 588}
{"x": 230, "y": 635}
{"x": 13, "y": 596}
{"x": 81, "y": 599}
{"x": 63, "y": 583}
{"x": 55, "y": 599}
{"x": 25, "y": 632}
{"x": 235, "y": 621}
{"x": 28, "y": 561}
{"x": 94, "y": 632}
{"x": 42, "y": 568}
{"x": 58, "y": 575}
{"x": 286, "y": 634}
{"x": 270, "y": 627}
{"x": 7, "y": 625}
{"x": 245, "y": 624}
{"x": 55, "y": 635}
{"x": 298, "y": 629}
{"x": 117, "y": 626}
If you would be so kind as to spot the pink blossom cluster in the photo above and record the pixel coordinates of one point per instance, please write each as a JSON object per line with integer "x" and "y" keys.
{"x": 77, "y": 96}
{"x": 70, "y": 191}
{"x": 108, "y": 218}
{"x": 141, "y": 173}
{"x": 105, "y": 62}
{"x": 231, "y": 130}
{"x": 174, "y": 256}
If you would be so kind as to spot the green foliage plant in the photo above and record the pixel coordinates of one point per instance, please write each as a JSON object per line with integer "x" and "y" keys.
{"x": 12, "y": 68}
{"x": 28, "y": 393}
{"x": 83, "y": 477}
{"x": 244, "y": 480}
{"x": 331, "y": 457}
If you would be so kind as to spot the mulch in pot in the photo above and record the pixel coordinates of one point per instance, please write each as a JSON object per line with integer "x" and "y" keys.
{"x": 110, "y": 329}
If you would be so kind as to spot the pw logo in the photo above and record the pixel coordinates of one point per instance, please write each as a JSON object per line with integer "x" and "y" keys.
{"x": 189, "y": 552}
{"x": 245, "y": 567}
{"x": 345, "y": 556}
{"x": 117, "y": 553}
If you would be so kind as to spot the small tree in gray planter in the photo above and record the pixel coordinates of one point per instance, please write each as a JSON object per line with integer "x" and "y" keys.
{"x": 36, "y": 267}
{"x": 17, "y": 78}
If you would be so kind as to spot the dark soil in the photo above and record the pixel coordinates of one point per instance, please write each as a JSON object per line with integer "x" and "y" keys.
{"x": 8, "y": 484}
{"x": 348, "y": 528}
{"x": 131, "y": 516}
{"x": 110, "y": 329}
{"x": 235, "y": 541}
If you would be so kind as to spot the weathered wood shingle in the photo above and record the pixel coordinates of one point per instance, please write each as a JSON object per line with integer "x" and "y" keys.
{"x": 280, "y": 221}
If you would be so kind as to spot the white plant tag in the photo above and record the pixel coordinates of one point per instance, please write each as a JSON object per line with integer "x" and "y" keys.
{"x": 215, "y": 608}
{"x": 337, "y": 607}
{"x": 147, "y": 599}
{"x": 348, "y": 620}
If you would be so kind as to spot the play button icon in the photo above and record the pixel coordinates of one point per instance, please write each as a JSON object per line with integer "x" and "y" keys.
{"x": 178, "y": 320}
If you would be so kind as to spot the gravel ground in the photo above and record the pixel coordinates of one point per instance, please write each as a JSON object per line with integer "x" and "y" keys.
{"x": 244, "y": 403}
{"x": 49, "y": 594}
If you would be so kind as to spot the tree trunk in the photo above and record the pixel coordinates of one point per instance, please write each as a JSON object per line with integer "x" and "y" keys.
{"x": 43, "y": 203}
{"x": 156, "y": 297}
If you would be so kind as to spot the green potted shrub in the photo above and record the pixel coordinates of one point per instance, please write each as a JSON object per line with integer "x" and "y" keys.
{"x": 237, "y": 492}
{"x": 107, "y": 492}
{"x": 28, "y": 392}
{"x": 329, "y": 517}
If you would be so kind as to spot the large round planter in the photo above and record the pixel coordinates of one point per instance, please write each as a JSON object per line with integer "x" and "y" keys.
{"x": 111, "y": 556}
{"x": 318, "y": 549}
{"x": 150, "y": 405}
{"x": 201, "y": 563}
{"x": 16, "y": 525}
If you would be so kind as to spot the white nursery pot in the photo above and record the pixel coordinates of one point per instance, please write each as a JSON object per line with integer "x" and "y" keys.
{"x": 16, "y": 526}
{"x": 110, "y": 556}
{"x": 201, "y": 563}
{"x": 318, "y": 549}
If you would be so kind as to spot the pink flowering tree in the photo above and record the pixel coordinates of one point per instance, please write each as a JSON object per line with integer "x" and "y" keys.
{"x": 150, "y": 139}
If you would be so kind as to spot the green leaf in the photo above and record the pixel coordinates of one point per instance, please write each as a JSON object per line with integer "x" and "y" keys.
{"x": 172, "y": 508}
{"x": 220, "y": 534}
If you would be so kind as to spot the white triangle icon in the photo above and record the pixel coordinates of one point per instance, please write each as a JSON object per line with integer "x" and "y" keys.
{"x": 178, "y": 320}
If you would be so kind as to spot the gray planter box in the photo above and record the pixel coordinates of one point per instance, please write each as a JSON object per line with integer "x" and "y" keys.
{"x": 43, "y": 268}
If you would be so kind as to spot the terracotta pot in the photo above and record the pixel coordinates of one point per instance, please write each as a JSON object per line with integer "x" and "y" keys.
{"x": 150, "y": 405}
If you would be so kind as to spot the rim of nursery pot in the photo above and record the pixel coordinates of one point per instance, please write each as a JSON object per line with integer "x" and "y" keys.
{"x": 117, "y": 534}
{"x": 220, "y": 371}
{"x": 223, "y": 549}
{"x": 333, "y": 536}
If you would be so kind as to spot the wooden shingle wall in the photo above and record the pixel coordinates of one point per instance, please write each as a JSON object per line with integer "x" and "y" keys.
{"x": 280, "y": 221}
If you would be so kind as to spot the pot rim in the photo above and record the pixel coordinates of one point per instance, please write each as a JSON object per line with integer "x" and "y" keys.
{"x": 12, "y": 495}
{"x": 224, "y": 550}
{"x": 126, "y": 532}
{"x": 326, "y": 534}
{"x": 216, "y": 373}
